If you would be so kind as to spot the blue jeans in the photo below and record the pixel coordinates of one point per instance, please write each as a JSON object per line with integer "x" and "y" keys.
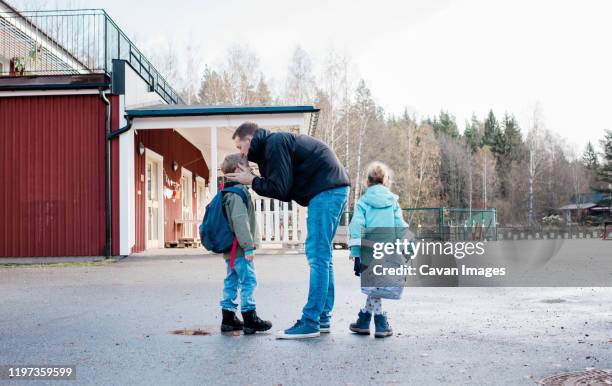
{"x": 324, "y": 212}
{"x": 241, "y": 276}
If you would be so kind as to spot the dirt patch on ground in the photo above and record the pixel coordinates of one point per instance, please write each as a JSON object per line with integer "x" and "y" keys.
{"x": 190, "y": 332}
{"x": 553, "y": 301}
{"x": 588, "y": 377}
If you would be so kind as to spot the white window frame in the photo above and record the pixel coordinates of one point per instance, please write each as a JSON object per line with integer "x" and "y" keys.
{"x": 187, "y": 227}
{"x": 150, "y": 154}
{"x": 200, "y": 182}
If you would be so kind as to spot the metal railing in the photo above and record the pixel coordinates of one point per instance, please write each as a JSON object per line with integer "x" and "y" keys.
{"x": 79, "y": 41}
{"x": 447, "y": 224}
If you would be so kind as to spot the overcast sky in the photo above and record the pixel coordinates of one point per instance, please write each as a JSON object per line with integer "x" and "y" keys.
{"x": 461, "y": 56}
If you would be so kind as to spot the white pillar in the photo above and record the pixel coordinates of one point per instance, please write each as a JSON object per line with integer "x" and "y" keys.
{"x": 285, "y": 222}
{"x": 303, "y": 214}
{"x": 268, "y": 220}
{"x": 258, "y": 203}
{"x": 294, "y": 222}
{"x": 277, "y": 234}
{"x": 127, "y": 220}
{"x": 213, "y": 161}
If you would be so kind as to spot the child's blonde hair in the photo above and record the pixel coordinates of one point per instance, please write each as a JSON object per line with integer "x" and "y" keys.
{"x": 376, "y": 172}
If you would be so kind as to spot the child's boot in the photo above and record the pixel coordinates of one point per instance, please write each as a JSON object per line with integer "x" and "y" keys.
{"x": 383, "y": 329}
{"x": 362, "y": 325}
{"x": 230, "y": 321}
{"x": 252, "y": 323}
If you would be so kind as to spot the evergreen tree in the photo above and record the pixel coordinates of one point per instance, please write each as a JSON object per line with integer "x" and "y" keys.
{"x": 445, "y": 124}
{"x": 473, "y": 132}
{"x": 491, "y": 128}
{"x": 604, "y": 174}
{"x": 499, "y": 147}
{"x": 589, "y": 158}
{"x": 512, "y": 141}
{"x": 506, "y": 148}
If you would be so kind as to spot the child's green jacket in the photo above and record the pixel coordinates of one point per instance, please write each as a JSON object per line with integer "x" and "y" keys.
{"x": 241, "y": 220}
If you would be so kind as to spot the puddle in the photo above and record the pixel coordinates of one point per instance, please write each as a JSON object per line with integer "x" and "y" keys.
{"x": 553, "y": 301}
{"x": 188, "y": 332}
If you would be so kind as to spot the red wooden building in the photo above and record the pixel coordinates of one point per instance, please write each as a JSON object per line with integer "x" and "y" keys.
{"x": 98, "y": 155}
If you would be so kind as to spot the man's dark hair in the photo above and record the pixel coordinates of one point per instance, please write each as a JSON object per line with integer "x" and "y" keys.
{"x": 247, "y": 128}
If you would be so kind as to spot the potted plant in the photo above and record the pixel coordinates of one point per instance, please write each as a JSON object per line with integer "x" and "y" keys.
{"x": 19, "y": 65}
{"x": 34, "y": 58}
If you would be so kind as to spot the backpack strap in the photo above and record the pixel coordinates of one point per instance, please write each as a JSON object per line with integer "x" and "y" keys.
{"x": 233, "y": 252}
{"x": 238, "y": 191}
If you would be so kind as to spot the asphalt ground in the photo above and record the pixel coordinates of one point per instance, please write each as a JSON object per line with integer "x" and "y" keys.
{"x": 115, "y": 323}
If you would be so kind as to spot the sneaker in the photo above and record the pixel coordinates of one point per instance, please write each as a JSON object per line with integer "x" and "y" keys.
{"x": 383, "y": 329}
{"x": 324, "y": 327}
{"x": 230, "y": 321}
{"x": 362, "y": 325}
{"x": 298, "y": 331}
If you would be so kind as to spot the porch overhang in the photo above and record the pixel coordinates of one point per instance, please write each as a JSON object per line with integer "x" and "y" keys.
{"x": 194, "y": 116}
{"x": 197, "y": 110}
{"x": 210, "y": 128}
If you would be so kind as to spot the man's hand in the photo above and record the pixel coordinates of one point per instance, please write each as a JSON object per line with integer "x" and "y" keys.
{"x": 249, "y": 255}
{"x": 244, "y": 177}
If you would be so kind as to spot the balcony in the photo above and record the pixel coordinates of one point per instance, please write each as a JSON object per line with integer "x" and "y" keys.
{"x": 71, "y": 42}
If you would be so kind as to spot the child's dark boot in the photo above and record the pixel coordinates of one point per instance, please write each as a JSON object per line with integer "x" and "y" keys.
{"x": 230, "y": 321}
{"x": 252, "y": 323}
{"x": 383, "y": 329}
{"x": 362, "y": 325}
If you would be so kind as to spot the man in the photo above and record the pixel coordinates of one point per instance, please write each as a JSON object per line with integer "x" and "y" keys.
{"x": 303, "y": 169}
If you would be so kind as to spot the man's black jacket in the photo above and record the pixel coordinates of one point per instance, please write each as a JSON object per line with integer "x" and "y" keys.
{"x": 294, "y": 166}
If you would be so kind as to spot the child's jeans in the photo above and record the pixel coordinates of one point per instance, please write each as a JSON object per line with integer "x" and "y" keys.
{"x": 241, "y": 276}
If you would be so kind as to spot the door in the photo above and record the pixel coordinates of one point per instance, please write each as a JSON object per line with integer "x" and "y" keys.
{"x": 153, "y": 200}
{"x": 187, "y": 202}
{"x": 200, "y": 198}
{"x": 200, "y": 201}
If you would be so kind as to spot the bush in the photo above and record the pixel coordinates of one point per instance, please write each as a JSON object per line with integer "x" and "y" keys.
{"x": 553, "y": 219}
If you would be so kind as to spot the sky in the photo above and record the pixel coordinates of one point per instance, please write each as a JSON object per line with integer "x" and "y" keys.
{"x": 464, "y": 56}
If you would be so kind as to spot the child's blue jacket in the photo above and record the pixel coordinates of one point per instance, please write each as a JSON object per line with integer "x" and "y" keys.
{"x": 377, "y": 208}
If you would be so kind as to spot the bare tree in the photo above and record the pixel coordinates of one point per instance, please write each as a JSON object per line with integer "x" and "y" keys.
{"x": 192, "y": 69}
{"x": 331, "y": 79}
{"x": 242, "y": 72}
{"x": 365, "y": 112}
{"x": 214, "y": 89}
{"x": 534, "y": 143}
{"x": 300, "y": 84}
{"x": 484, "y": 171}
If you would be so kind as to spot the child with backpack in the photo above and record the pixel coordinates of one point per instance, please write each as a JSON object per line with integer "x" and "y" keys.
{"x": 230, "y": 227}
{"x": 378, "y": 208}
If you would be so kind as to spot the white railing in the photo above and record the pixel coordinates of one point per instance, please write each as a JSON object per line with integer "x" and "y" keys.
{"x": 280, "y": 222}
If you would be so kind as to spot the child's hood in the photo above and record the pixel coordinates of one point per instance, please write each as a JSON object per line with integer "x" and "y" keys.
{"x": 379, "y": 196}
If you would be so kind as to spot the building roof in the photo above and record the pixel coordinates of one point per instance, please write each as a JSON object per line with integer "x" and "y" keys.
{"x": 587, "y": 197}
{"x": 54, "y": 82}
{"x": 586, "y": 205}
{"x": 202, "y": 110}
